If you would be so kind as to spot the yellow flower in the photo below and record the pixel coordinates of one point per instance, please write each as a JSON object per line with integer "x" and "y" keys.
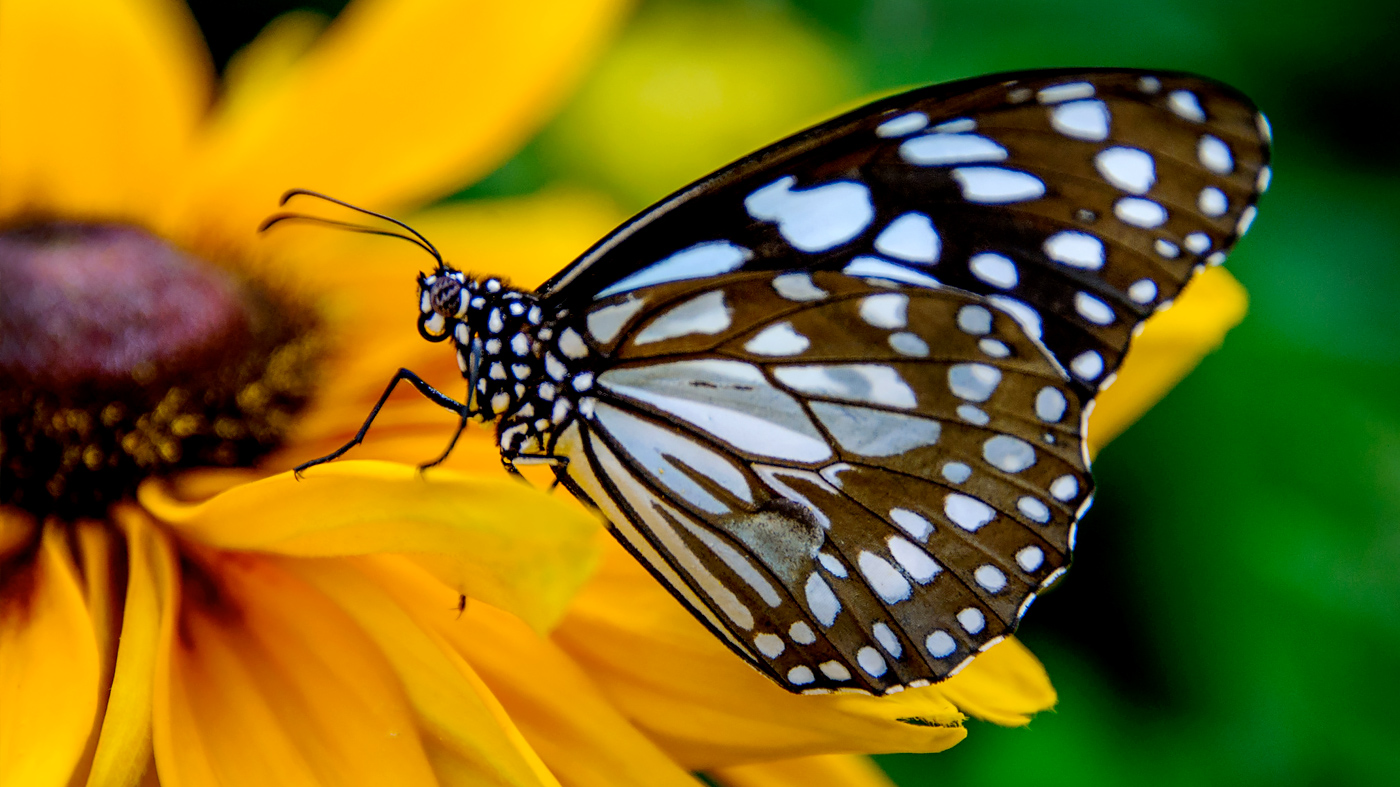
{"x": 174, "y": 608}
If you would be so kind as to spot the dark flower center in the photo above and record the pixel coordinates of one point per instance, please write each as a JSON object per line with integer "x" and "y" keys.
{"x": 122, "y": 356}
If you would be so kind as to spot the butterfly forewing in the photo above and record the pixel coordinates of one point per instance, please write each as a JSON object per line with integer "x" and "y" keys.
{"x": 857, "y": 484}
{"x": 1078, "y": 201}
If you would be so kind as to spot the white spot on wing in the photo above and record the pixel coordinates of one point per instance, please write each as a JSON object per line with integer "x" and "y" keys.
{"x": 1087, "y": 119}
{"x": 914, "y": 560}
{"x": 1030, "y": 558}
{"x": 778, "y": 340}
{"x": 802, "y": 633}
{"x": 1034, "y": 509}
{"x": 870, "y": 660}
{"x": 1076, "y": 249}
{"x": 871, "y": 383}
{"x": 940, "y": 644}
{"x": 834, "y": 670}
{"x": 974, "y": 382}
{"x": 990, "y": 578}
{"x": 800, "y": 675}
{"x": 910, "y": 237}
{"x": 797, "y": 287}
{"x": 1212, "y": 201}
{"x": 874, "y": 267}
{"x": 1143, "y": 291}
{"x": 974, "y": 319}
{"x": 1185, "y": 104}
{"x": 1008, "y": 454}
{"x": 1140, "y": 212}
{"x": 1215, "y": 155}
{"x": 1064, "y": 488}
{"x": 904, "y": 124}
{"x": 994, "y": 269}
{"x": 886, "y": 310}
{"x": 815, "y": 219}
{"x": 1087, "y": 365}
{"x": 972, "y": 620}
{"x": 1050, "y": 405}
{"x": 997, "y": 186}
{"x": 703, "y": 259}
{"x": 968, "y": 513}
{"x": 911, "y": 523}
{"x": 956, "y": 126}
{"x": 887, "y": 639}
{"x": 1066, "y": 92}
{"x": 956, "y": 472}
{"x": 910, "y": 344}
{"x": 704, "y": 314}
{"x": 823, "y": 603}
{"x": 770, "y": 645}
{"x": 888, "y": 584}
{"x": 868, "y": 432}
{"x": 1246, "y": 219}
{"x": 943, "y": 149}
{"x": 1128, "y": 169}
{"x": 1093, "y": 309}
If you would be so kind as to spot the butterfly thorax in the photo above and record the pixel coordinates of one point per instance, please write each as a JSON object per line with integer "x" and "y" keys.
{"x": 523, "y": 370}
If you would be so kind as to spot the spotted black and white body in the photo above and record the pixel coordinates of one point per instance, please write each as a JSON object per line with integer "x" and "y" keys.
{"x": 834, "y": 396}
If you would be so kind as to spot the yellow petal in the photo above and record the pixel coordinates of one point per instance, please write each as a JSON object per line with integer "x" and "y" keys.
{"x": 401, "y": 100}
{"x": 1005, "y": 685}
{"x": 101, "y": 99}
{"x": 96, "y": 547}
{"x": 48, "y": 667}
{"x": 263, "y": 680}
{"x": 124, "y": 745}
{"x": 707, "y": 708}
{"x": 470, "y": 738}
{"x": 831, "y": 770}
{"x": 496, "y": 540}
{"x": 1170, "y": 346}
{"x": 581, "y": 737}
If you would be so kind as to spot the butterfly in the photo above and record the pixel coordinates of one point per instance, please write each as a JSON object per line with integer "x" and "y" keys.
{"x": 834, "y": 395}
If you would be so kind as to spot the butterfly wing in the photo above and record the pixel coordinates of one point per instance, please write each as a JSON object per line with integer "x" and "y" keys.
{"x": 856, "y": 484}
{"x": 1079, "y": 201}
{"x": 841, "y": 383}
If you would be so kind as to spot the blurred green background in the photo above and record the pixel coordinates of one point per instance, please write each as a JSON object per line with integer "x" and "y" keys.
{"x": 1234, "y": 612}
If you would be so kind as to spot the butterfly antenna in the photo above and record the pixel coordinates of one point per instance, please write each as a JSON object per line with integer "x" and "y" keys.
{"x": 346, "y": 225}
{"x": 427, "y": 244}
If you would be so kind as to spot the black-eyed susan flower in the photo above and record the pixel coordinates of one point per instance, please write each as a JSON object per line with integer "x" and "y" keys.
{"x": 174, "y": 608}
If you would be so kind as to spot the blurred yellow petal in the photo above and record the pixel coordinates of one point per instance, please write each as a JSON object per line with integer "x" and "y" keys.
{"x": 400, "y": 101}
{"x": 707, "y": 708}
{"x": 831, "y": 770}
{"x": 101, "y": 101}
{"x": 582, "y": 738}
{"x": 497, "y": 540}
{"x": 265, "y": 681}
{"x": 1170, "y": 346}
{"x": 261, "y": 65}
{"x": 469, "y": 737}
{"x": 48, "y": 668}
{"x": 1005, "y": 685}
{"x": 124, "y": 746}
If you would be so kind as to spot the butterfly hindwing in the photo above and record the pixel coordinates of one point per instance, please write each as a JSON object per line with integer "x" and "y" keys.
{"x": 856, "y": 483}
{"x": 1080, "y": 201}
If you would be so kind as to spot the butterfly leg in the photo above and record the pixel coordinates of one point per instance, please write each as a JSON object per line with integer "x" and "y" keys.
{"x": 434, "y": 395}
{"x": 461, "y": 427}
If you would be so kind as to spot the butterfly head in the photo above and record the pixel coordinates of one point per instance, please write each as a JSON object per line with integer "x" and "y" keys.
{"x": 444, "y": 300}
